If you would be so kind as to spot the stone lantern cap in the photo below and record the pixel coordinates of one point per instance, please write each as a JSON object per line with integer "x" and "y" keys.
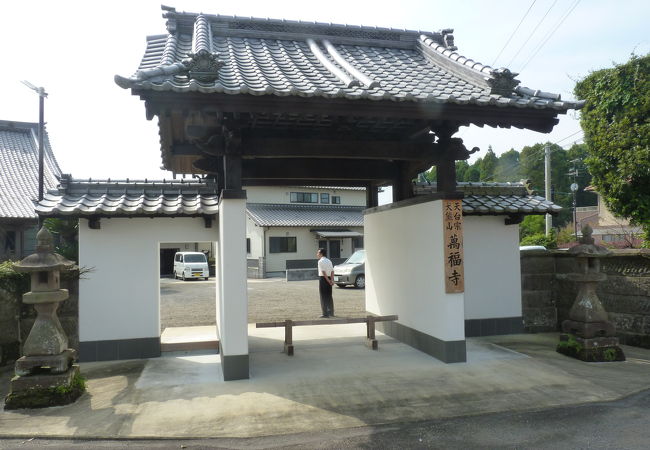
{"x": 587, "y": 247}
{"x": 44, "y": 259}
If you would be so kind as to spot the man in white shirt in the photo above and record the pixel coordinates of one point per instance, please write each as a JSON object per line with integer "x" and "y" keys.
{"x": 325, "y": 282}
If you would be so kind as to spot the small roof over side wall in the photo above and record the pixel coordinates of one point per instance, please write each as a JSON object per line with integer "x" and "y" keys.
{"x": 19, "y": 169}
{"x": 483, "y": 198}
{"x": 126, "y": 198}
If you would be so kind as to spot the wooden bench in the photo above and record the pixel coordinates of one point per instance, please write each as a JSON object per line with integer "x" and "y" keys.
{"x": 288, "y": 325}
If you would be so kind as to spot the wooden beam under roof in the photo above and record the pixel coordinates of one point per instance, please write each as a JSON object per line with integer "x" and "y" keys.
{"x": 305, "y": 170}
{"x": 319, "y": 148}
{"x": 541, "y": 120}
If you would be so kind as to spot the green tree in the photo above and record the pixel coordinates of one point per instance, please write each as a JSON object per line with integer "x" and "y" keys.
{"x": 617, "y": 133}
{"x": 431, "y": 174}
{"x": 65, "y": 233}
{"x": 488, "y": 165}
{"x": 507, "y": 168}
{"x": 532, "y": 168}
{"x": 532, "y": 225}
{"x": 461, "y": 170}
{"x": 473, "y": 173}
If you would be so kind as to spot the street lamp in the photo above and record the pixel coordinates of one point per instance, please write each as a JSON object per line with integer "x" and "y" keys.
{"x": 41, "y": 125}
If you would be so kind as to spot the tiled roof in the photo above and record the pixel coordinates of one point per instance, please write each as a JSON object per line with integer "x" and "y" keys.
{"x": 176, "y": 198}
{"x": 496, "y": 198}
{"x": 19, "y": 169}
{"x": 234, "y": 55}
{"x": 283, "y": 215}
{"x": 130, "y": 199}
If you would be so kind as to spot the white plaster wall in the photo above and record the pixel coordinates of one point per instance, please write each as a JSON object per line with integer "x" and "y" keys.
{"x": 280, "y": 194}
{"x": 492, "y": 268}
{"x": 256, "y": 235}
{"x": 120, "y": 298}
{"x": 405, "y": 271}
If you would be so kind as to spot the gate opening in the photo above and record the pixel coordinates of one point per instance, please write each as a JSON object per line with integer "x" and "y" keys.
{"x": 187, "y": 298}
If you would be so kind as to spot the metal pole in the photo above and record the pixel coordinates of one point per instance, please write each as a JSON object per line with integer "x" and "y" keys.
{"x": 547, "y": 184}
{"x": 41, "y": 133}
{"x": 41, "y": 126}
{"x": 575, "y": 222}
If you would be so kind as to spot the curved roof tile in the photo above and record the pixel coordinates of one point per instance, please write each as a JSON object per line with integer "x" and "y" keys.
{"x": 273, "y": 57}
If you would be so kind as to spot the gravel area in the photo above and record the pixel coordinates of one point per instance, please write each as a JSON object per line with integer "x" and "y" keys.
{"x": 192, "y": 303}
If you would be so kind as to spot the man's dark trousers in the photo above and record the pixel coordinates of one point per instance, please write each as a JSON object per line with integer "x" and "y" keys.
{"x": 326, "y": 300}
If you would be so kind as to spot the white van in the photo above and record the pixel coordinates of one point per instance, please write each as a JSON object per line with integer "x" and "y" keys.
{"x": 188, "y": 265}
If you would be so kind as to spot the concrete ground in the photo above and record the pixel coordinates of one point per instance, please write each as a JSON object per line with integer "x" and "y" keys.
{"x": 192, "y": 302}
{"x": 332, "y": 383}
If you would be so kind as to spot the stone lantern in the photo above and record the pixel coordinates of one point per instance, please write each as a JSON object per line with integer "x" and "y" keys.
{"x": 46, "y": 366}
{"x": 587, "y": 333}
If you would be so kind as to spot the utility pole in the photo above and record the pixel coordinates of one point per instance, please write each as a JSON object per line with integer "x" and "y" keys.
{"x": 574, "y": 189}
{"x": 41, "y": 132}
{"x": 547, "y": 185}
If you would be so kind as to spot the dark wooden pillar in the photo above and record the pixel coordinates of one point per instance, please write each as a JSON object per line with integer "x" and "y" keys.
{"x": 450, "y": 150}
{"x": 232, "y": 158}
{"x": 372, "y": 195}
{"x": 402, "y": 183}
{"x": 232, "y": 172}
{"x": 446, "y": 172}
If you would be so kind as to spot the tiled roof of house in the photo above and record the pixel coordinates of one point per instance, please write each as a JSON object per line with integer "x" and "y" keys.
{"x": 130, "y": 199}
{"x": 235, "y": 55}
{"x": 283, "y": 215}
{"x": 176, "y": 198}
{"x": 19, "y": 169}
{"x": 496, "y": 198}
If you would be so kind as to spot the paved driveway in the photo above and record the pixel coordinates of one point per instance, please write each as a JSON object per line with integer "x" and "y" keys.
{"x": 192, "y": 303}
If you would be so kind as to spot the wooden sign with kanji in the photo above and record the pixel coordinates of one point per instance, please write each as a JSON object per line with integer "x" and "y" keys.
{"x": 452, "y": 213}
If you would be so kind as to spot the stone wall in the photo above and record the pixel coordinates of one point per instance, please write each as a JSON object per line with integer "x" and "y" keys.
{"x": 625, "y": 295}
{"x": 9, "y": 341}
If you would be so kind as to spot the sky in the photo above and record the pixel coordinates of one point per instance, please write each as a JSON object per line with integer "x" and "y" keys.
{"x": 74, "y": 48}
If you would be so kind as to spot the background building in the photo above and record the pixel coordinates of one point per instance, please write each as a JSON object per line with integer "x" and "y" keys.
{"x": 19, "y": 186}
{"x": 286, "y": 225}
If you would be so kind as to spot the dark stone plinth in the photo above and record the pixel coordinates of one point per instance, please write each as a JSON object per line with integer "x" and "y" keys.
{"x": 600, "y": 349}
{"x": 589, "y": 330}
{"x": 46, "y": 363}
{"x": 42, "y": 391}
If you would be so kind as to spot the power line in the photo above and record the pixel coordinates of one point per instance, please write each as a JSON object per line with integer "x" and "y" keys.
{"x": 565, "y": 138}
{"x": 550, "y": 34}
{"x": 531, "y": 34}
{"x": 513, "y": 33}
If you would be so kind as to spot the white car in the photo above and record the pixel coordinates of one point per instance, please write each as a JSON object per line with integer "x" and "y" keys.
{"x": 190, "y": 265}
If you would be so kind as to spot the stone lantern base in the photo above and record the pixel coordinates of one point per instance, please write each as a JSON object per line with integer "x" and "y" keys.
{"x": 42, "y": 390}
{"x": 597, "y": 349}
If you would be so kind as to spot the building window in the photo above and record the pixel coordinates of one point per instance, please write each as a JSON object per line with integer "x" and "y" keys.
{"x": 248, "y": 245}
{"x": 324, "y": 198}
{"x": 336, "y": 200}
{"x": 282, "y": 245}
{"x": 304, "y": 197}
{"x": 10, "y": 241}
{"x": 357, "y": 242}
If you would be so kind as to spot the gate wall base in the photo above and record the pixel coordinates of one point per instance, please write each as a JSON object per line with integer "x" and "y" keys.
{"x": 445, "y": 351}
